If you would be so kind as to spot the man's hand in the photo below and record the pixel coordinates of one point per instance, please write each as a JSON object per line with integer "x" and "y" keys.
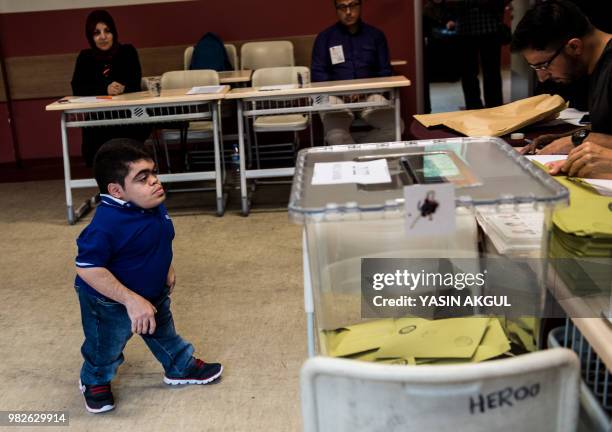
{"x": 559, "y": 146}
{"x": 140, "y": 310}
{"x": 539, "y": 143}
{"x": 171, "y": 280}
{"x": 142, "y": 314}
{"x": 115, "y": 88}
{"x": 554, "y": 168}
{"x": 588, "y": 160}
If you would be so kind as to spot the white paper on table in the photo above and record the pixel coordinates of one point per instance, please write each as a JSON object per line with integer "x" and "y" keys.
{"x": 371, "y": 172}
{"x": 567, "y": 116}
{"x": 429, "y": 209}
{"x": 205, "y": 89}
{"x": 572, "y": 116}
{"x": 603, "y": 187}
{"x": 544, "y": 159}
{"x": 88, "y": 99}
{"x": 278, "y": 87}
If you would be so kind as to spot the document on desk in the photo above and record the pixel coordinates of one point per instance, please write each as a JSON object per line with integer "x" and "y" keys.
{"x": 602, "y": 187}
{"x": 544, "y": 159}
{"x": 278, "y": 87}
{"x": 205, "y": 89}
{"x": 87, "y": 99}
{"x": 572, "y": 116}
{"x": 371, "y": 172}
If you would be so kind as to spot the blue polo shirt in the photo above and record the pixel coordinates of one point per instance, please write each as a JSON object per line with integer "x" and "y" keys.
{"x": 134, "y": 244}
{"x": 366, "y": 54}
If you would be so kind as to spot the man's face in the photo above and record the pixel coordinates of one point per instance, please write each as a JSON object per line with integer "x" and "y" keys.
{"x": 554, "y": 65}
{"x": 141, "y": 186}
{"x": 348, "y": 11}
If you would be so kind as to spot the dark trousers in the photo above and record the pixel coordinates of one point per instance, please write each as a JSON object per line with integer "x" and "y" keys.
{"x": 94, "y": 137}
{"x": 486, "y": 51}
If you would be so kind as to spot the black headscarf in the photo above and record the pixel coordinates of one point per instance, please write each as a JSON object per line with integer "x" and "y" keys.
{"x": 93, "y": 19}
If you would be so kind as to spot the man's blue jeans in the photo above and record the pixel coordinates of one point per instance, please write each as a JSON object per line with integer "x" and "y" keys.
{"x": 107, "y": 329}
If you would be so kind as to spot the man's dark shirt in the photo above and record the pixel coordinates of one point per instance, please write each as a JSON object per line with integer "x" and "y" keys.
{"x": 600, "y": 93}
{"x": 366, "y": 54}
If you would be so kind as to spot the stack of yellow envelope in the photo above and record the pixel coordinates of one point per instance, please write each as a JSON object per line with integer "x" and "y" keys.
{"x": 581, "y": 243}
{"x": 417, "y": 341}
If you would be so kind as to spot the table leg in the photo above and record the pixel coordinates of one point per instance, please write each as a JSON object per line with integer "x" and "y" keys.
{"x": 218, "y": 168}
{"x": 398, "y": 122}
{"x": 243, "y": 187}
{"x": 249, "y": 144}
{"x": 67, "y": 177}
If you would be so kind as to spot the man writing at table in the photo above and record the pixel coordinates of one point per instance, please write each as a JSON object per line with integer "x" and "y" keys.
{"x": 352, "y": 49}
{"x": 560, "y": 44}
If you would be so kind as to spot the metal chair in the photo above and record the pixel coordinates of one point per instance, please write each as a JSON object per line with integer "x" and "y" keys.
{"x": 285, "y": 122}
{"x": 197, "y": 130}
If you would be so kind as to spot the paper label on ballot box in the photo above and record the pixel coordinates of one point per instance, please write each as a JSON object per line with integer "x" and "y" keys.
{"x": 429, "y": 209}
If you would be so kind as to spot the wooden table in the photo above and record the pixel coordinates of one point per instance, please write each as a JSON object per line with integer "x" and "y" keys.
{"x": 309, "y": 98}
{"x": 140, "y": 108}
{"x": 235, "y": 77}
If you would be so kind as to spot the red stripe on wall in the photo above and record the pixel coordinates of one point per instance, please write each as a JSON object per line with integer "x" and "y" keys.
{"x": 55, "y": 32}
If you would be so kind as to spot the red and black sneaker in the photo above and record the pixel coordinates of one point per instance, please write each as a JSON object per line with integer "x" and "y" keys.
{"x": 200, "y": 373}
{"x": 98, "y": 398}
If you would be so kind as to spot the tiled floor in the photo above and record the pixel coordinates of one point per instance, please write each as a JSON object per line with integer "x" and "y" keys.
{"x": 449, "y": 96}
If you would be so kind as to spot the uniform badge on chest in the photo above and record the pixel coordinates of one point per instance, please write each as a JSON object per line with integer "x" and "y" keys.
{"x": 337, "y": 54}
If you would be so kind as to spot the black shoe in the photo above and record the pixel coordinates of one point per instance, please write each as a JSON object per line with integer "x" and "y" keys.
{"x": 200, "y": 373}
{"x": 98, "y": 398}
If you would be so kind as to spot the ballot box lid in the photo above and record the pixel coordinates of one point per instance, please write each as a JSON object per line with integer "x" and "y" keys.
{"x": 338, "y": 182}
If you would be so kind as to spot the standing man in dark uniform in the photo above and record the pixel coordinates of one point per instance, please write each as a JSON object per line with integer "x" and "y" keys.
{"x": 479, "y": 26}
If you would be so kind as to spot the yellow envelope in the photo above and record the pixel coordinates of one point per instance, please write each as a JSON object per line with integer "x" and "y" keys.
{"x": 521, "y": 336}
{"x": 358, "y": 338}
{"x": 493, "y": 344}
{"x": 410, "y": 361}
{"x": 447, "y": 338}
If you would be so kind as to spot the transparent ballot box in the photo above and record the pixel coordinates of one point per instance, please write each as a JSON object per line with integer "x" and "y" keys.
{"x": 377, "y": 215}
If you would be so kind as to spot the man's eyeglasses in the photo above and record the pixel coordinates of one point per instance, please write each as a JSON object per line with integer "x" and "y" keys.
{"x": 346, "y": 7}
{"x": 542, "y": 66}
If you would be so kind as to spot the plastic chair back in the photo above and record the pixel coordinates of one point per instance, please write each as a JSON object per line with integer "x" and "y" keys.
{"x": 187, "y": 57}
{"x": 280, "y": 75}
{"x": 232, "y": 54}
{"x": 257, "y": 55}
{"x": 189, "y": 78}
{"x": 532, "y": 392}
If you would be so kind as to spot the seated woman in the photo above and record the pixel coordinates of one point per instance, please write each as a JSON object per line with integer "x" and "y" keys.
{"x": 107, "y": 68}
